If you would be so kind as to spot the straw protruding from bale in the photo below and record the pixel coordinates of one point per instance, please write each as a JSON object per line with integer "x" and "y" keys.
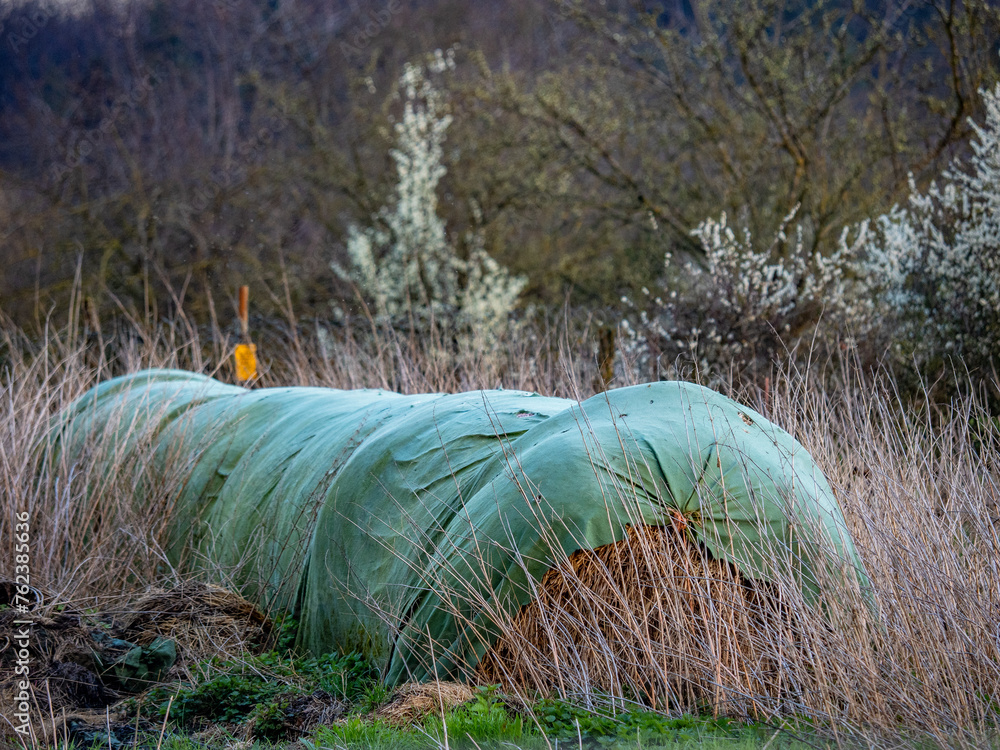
{"x": 411, "y": 702}
{"x": 653, "y": 617}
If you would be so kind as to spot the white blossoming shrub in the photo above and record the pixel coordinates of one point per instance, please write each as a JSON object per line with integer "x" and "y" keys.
{"x": 740, "y": 306}
{"x": 931, "y": 269}
{"x": 921, "y": 282}
{"x": 405, "y": 263}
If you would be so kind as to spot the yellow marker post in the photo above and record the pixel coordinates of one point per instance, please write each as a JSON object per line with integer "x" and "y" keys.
{"x": 246, "y": 361}
{"x": 246, "y": 353}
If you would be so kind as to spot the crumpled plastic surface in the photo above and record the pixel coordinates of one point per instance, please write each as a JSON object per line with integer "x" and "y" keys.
{"x": 395, "y": 525}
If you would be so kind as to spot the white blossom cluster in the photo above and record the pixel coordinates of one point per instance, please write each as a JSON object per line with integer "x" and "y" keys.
{"x": 922, "y": 281}
{"x": 740, "y": 305}
{"x": 769, "y": 284}
{"x": 405, "y": 263}
{"x": 933, "y": 267}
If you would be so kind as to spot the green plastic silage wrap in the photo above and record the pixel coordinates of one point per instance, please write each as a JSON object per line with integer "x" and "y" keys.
{"x": 399, "y": 525}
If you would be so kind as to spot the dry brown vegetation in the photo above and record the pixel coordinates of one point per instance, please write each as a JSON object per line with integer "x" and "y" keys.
{"x": 653, "y": 616}
{"x": 918, "y": 485}
{"x": 411, "y": 702}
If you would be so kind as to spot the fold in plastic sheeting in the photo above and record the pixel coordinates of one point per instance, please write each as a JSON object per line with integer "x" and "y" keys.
{"x": 399, "y": 525}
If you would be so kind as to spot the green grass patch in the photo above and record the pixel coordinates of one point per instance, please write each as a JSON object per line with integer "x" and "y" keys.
{"x": 485, "y": 719}
{"x": 260, "y": 687}
{"x": 563, "y": 721}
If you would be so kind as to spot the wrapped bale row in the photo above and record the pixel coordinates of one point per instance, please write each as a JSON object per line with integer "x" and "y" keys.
{"x": 416, "y": 529}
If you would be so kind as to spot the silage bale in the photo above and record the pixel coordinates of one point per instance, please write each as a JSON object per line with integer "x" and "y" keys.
{"x": 414, "y": 528}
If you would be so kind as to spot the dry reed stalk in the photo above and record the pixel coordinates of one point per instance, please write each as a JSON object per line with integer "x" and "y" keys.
{"x": 652, "y": 617}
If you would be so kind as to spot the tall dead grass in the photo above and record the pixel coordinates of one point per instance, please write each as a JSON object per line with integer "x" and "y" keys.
{"x": 89, "y": 537}
{"x": 655, "y": 619}
{"x": 918, "y": 487}
{"x": 652, "y": 618}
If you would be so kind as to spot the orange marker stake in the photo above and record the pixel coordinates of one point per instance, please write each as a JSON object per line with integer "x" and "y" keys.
{"x": 246, "y": 353}
{"x": 245, "y": 311}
